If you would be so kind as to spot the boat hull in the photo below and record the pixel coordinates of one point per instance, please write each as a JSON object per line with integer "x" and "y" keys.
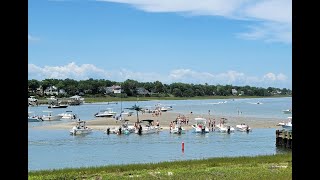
{"x": 51, "y": 118}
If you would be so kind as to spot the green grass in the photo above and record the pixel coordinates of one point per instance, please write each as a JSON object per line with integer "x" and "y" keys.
{"x": 262, "y": 167}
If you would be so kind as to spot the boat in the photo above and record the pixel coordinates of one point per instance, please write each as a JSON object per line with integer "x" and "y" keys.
{"x": 200, "y": 126}
{"x": 58, "y": 106}
{"x": 80, "y": 128}
{"x": 243, "y": 128}
{"x": 178, "y": 130}
{"x": 68, "y": 115}
{"x": 33, "y": 118}
{"x": 75, "y": 100}
{"x": 288, "y": 125}
{"x": 106, "y": 113}
{"x": 51, "y": 117}
{"x": 287, "y": 111}
{"x": 146, "y": 127}
{"x": 225, "y": 128}
{"x": 124, "y": 128}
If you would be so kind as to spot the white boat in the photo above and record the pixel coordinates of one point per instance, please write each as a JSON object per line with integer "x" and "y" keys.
{"x": 287, "y": 111}
{"x": 146, "y": 127}
{"x": 68, "y": 115}
{"x": 178, "y": 130}
{"x": 80, "y": 128}
{"x": 106, "y": 113}
{"x": 51, "y": 117}
{"x": 33, "y": 118}
{"x": 243, "y": 128}
{"x": 200, "y": 126}
{"x": 288, "y": 125}
{"x": 225, "y": 128}
{"x": 124, "y": 128}
{"x": 75, "y": 100}
{"x": 58, "y": 106}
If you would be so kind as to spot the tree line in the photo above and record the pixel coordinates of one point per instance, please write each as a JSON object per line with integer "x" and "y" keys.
{"x": 97, "y": 87}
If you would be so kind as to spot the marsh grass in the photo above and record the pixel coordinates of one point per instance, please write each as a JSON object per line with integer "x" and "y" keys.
{"x": 277, "y": 166}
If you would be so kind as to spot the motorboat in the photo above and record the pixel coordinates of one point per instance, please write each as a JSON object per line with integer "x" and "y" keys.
{"x": 200, "y": 126}
{"x": 68, "y": 115}
{"x": 243, "y": 128}
{"x": 288, "y": 125}
{"x": 58, "y": 106}
{"x": 146, "y": 127}
{"x": 124, "y": 128}
{"x": 75, "y": 100}
{"x": 33, "y": 118}
{"x": 287, "y": 111}
{"x": 80, "y": 128}
{"x": 106, "y": 113}
{"x": 51, "y": 117}
{"x": 225, "y": 128}
{"x": 177, "y": 130}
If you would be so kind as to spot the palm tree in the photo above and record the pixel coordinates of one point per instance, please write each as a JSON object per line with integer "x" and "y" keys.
{"x": 137, "y": 109}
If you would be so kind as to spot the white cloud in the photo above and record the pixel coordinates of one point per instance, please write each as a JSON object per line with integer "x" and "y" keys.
{"x": 86, "y": 71}
{"x": 272, "y": 18}
{"x": 70, "y": 70}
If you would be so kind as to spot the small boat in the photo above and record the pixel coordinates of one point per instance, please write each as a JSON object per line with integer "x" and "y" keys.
{"x": 243, "y": 128}
{"x": 33, "y": 118}
{"x": 287, "y": 111}
{"x": 58, "y": 106}
{"x": 80, "y": 128}
{"x": 288, "y": 125}
{"x": 124, "y": 128}
{"x": 68, "y": 115}
{"x": 51, "y": 117}
{"x": 106, "y": 113}
{"x": 200, "y": 126}
{"x": 177, "y": 130}
{"x": 146, "y": 127}
{"x": 225, "y": 128}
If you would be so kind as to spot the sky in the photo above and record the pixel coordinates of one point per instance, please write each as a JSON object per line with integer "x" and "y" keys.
{"x": 234, "y": 42}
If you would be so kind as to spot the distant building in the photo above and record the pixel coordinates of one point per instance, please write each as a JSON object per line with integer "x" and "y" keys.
{"x": 142, "y": 91}
{"x": 234, "y": 92}
{"x": 113, "y": 89}
{"x": 51, "y": 90}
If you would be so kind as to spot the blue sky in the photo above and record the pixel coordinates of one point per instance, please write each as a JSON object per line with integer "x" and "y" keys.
{"x": 238, "y": 42}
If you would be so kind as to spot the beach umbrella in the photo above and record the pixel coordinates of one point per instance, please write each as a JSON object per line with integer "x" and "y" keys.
{"x": 137, "y": 109}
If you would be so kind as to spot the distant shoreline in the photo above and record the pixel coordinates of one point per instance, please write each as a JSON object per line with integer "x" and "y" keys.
{"x": 117, "y": 99}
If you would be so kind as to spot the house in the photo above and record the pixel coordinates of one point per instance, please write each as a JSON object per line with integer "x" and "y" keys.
{"x": 113, "y": 89}
{"x": 51, "y": 90}
{"x": 142, "y": 91}
{"x": 234, "y": 92}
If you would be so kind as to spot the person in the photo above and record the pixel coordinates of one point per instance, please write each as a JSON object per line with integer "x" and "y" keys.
{"x": 157, "y": 123}
{"x": 140, "y": 130}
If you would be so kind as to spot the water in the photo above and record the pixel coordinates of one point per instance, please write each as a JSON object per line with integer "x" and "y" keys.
{"x": 54, "y": 149}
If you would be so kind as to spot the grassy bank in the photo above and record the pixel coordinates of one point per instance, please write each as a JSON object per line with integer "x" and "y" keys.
{"x": 258, "y": 167}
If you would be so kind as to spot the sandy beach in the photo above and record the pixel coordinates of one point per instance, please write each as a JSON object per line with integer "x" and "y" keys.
{"x": 165, "y": 118}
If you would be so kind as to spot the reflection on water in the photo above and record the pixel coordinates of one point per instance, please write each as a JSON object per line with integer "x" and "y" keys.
{"x": 53, "y": 149}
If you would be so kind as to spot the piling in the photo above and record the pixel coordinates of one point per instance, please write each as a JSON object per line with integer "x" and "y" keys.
{"x": 284, "y": 138}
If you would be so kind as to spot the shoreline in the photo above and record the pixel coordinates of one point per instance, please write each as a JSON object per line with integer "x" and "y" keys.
{"x": 164, "y": 119}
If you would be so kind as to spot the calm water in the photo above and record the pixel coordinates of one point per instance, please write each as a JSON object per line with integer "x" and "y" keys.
{"x": 54, "y": 149}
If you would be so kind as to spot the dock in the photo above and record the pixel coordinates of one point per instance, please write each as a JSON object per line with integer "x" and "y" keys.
{"x": 284, "y": 138}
